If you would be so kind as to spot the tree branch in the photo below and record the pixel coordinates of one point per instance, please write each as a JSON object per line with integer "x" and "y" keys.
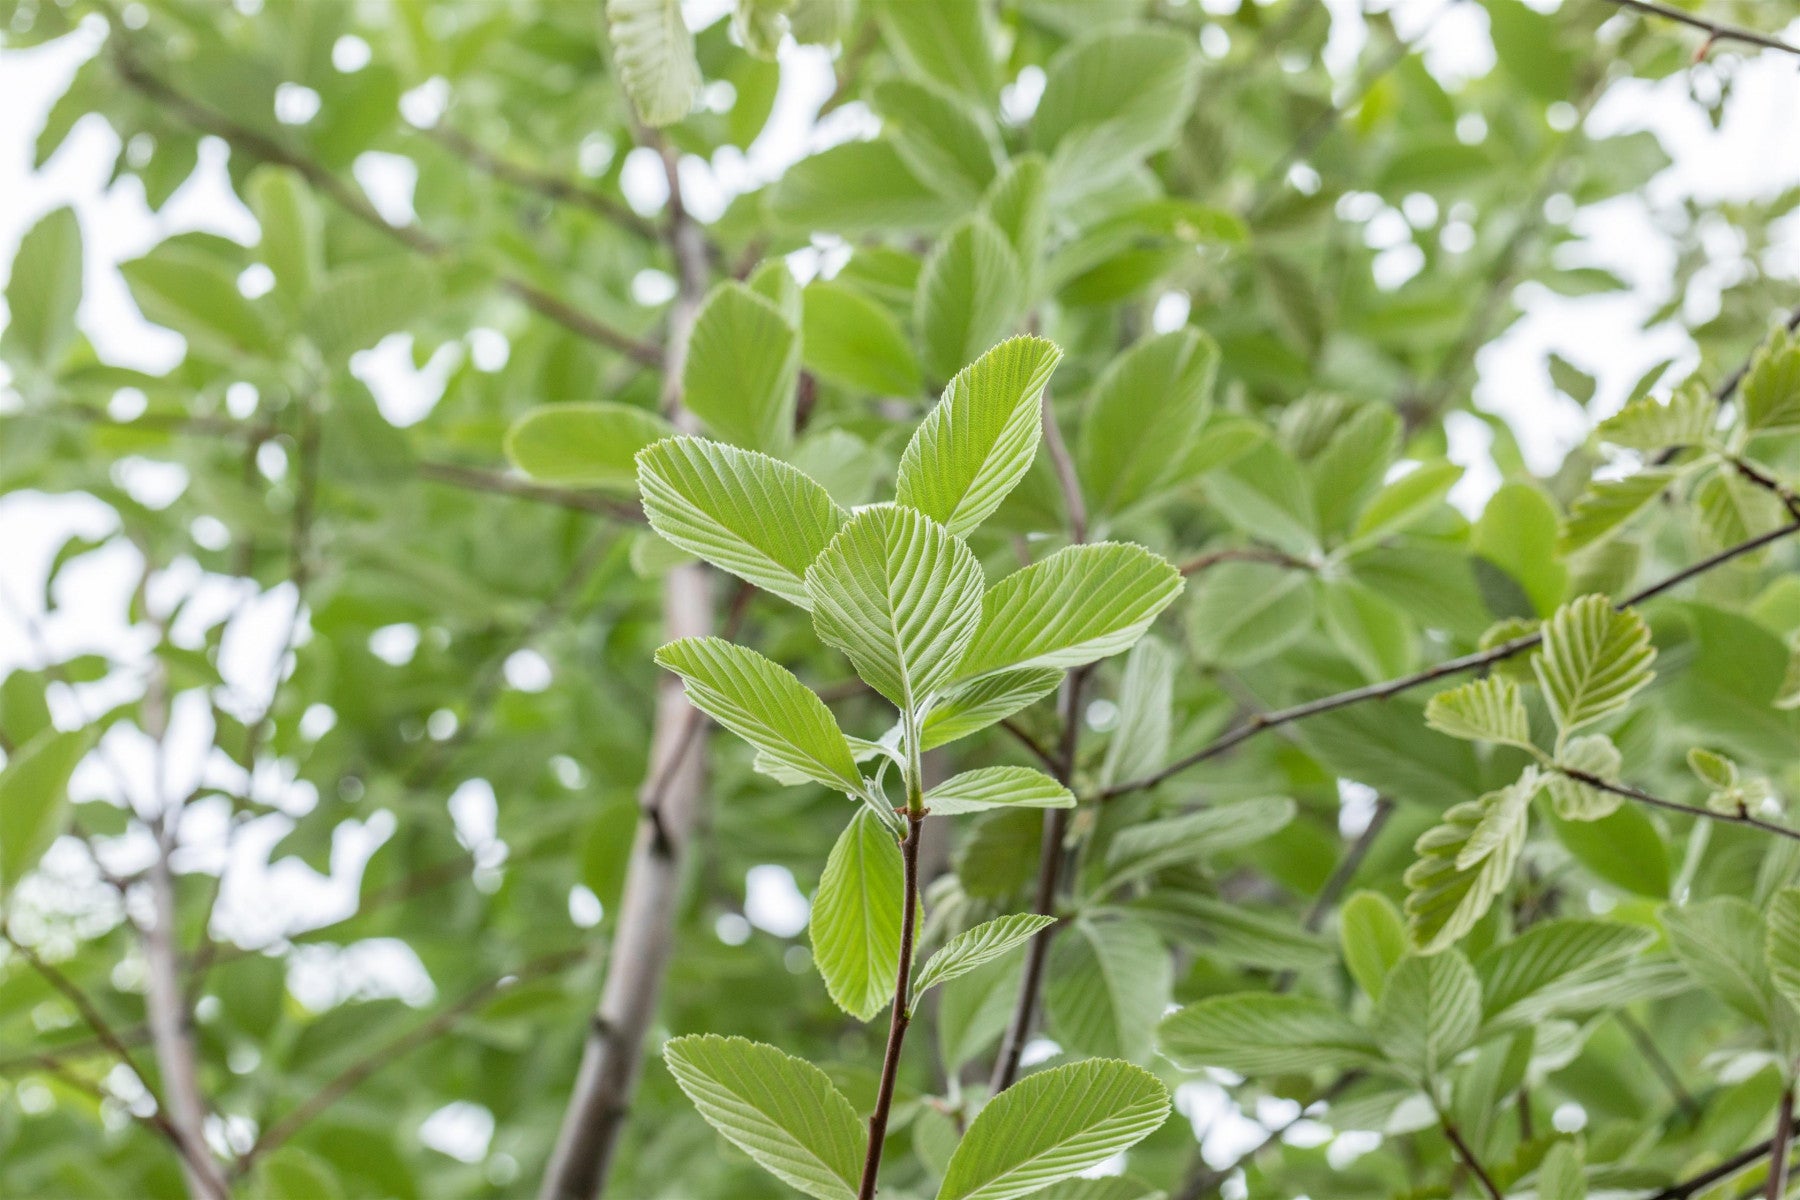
{"x": 281, "y": 1131}
{"x": 1715, "y": 32}
{"x": 477, "y": 479}
{"x": 263, "y": 148}
{"x": 552, "y": 187}
{"x": 1276, "y": 718}
{"x": 1689, "y": 810}
{"x": 1784, "y": 1133}
{"x": 1473, "y": 1163}
{"x": 1262, "y": 554}
{"x": 612, "y": 1056}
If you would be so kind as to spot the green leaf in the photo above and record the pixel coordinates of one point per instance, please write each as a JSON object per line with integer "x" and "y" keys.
{"x": 743, "y": 362}
{"x": 1428, "y": 1012}
{"x": 974, "y": 1009}
{"x": 855, "y": 188}
{"x": 979, "y": 440}
{"x": 1549, "y": 969}
{"x": 856, "y": 343}
{"x": 1374, "y": 939}
{"x": 653, "y": 53}
{"x": 584, "y": 445}
{"x": 976, "y": 947}
{"x": 1112, "y": 99}
{"x": 44, "y": 290}
{"x": 1606, "y": 506}
{"x": 975, "y": 706}
{"x": 764, "y": 704}
{"x": 1109, "y": 982}
{"x": 1721, "y": 943}
{"x": 1176, "y": 841}
{"x": 1527, "y": 44}
{"x": 1054, "y": 1125}
{"x": 1594, "y": 659}
{"x": 997, "y": 787}
{"x": 1517, "y": 533}
{"x": 1487, "y": 710}
{"x": 1771, "y": 391}
{"x": 1782, "y": 948}
{"x": 1577, "y": 801}
{"x": 939, "y": 136}
{"x": 856, "y": 917}
{"x": 1145, "y": 418}
{"x": 1371, "y": 632}
{"x": 1734, "y": 510}
{"x": 358, "y": 305}
{"x": 187, "y": 289}
{"x": 34, "y": 798}
{"x": 1686, "y": 418}
{"x": 1406, "y": 500}
{"x": 969, "y": 292}
{"x": 1464, "y": 864}
{"x": 1140, "y": 742}
{"x": 1623, "y": 849}
{"x": 1265, "y": 495}
{"x": 1016, "y": 203}
{"x": 947, "y": 41}
{"x": 1246, "y": 612}
{"x": 742, "y": 511}
{"x": 901, "y": 598}
{"x": 781, "y": 1111}
{"x": 1559, "y": 1176}
{"x": 293, "y": 232}
{"x": 1729, "y": 792}
{"x": 1081, "y": 604}
{"x": 1261, "y": 1033}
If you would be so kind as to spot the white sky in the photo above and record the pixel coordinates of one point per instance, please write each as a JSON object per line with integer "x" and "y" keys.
{"x": 1751, "y": 156}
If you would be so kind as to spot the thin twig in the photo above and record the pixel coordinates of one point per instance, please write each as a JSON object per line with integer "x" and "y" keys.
{"x": 1470, "y": 1161}
{"x": 347, "y": 1080}
{"x": 1689, "y": 810}
{"x": 1725, "y": 1170}
{"x": 1262, "y": 722}
{"x": 1784, "y": 1133}
{"x": 476, "y": 479}
{"x": 901, "y": 1015}
{"x": 1653, "y": 1054}
{"x": 1203, "y": 1179}
{"x": 552, "y": 187}
{"x": 1262, "y": 554}
{"x": 1715, "y": 31}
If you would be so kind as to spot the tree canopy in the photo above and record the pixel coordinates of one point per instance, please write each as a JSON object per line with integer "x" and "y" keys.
{"x": 949, "y": 622}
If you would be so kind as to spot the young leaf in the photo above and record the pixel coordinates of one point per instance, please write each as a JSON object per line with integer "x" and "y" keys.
{"x": 1081, "y": 604}
{"x": 901, "y": 597}
{"x": 1607, "y": 505}
{"x": 781, "y": 1111}
{"x": 1246, "y": 612}
{"x": 1109, "y": 982}
{"x": 44, "y": 290}
{"x": 179, "y": 284}
{"x": 1685, "y": 419}
{"x": 654, "y": 54}
{"x": 584, "y": 445}
{"x": 1488, "y": 710}
{"x": 856, "y": 917}
{"x": 1016, "y": 204}
{"x": 1176, "y": 841}
{"x": 947, "y": 41}
{"x": 1140, "y": 743}
{"x": 1574, "y": 800}
{"x": 1783, "y": 944}
{"x": 1111, "y": 99}
{"x": 1544, "y": 971}
{"x": 1406, "y": 500}
{"x": 34, "y": 798}
{"x": 1374, "y": 939}
{"x": 744, "y": 512}
{"x": 1429, "y": 1012}
{"x": 1560, "y": 1176}
{"x": 981, "y": 437}
{"x": 1594, "y": 659}
{"x": 975, "y": 706}
{"x": 743, "y": 362}
{"x": 1771, "y": 395}
{"x": 764, "y": 704}
{"x": 855, "y": 342}
{"x": 1054, "y": 1125}
{"x": 1258, "y": 1033}
{"x": 1144, "y": 418}
{"x": 939, "y": 135}
{"x": 976, "y": 947}
{"x": 1728, "y": 791}
{"x": 997, "y": 787}
{"x": 1464, "y": 863}
{"x": 968, "y": 295}
{"x": 1721, "y": 943}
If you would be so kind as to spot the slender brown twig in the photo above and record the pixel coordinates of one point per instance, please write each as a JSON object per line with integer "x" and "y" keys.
{"x": 550, "y": 186}
{"x": 1262, "y": 722}
{"x": 1689, "y": 810}
{"x": 901, "y": 1015}
{"x": 1469, "y": 1160}
{"x": 477, "y": 479}
{"x": 1715, "y": 31}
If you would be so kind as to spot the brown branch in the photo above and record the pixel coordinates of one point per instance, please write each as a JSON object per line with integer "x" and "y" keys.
{"x": 612, "y": 1054}
{"x": 1262, "y": 722}
{"x": 1473, "y": 1163}
{"x": 103, "y": 1031}
{"x": 156, "y": 1122}
{"x": 902, "y": 1011}
{"x": 477, "y": 479}
{"x": 1725, "y": 1170}
{"x": 1784, "y": 1133}
{"x": 1262, "y": 554}
{"x": 1671, "y": 1079}
{"x": 1715, "y": 32}
{"x": 1689, "y": 810}
{"x": 259, "y": 146}
{"x": 552, "y": 187}
{"x": 282, "y": 1130}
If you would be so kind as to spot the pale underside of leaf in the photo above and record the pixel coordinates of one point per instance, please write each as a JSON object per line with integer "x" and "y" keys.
{"x": 856, "y": 918}
{"x": 997, "y": 787}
